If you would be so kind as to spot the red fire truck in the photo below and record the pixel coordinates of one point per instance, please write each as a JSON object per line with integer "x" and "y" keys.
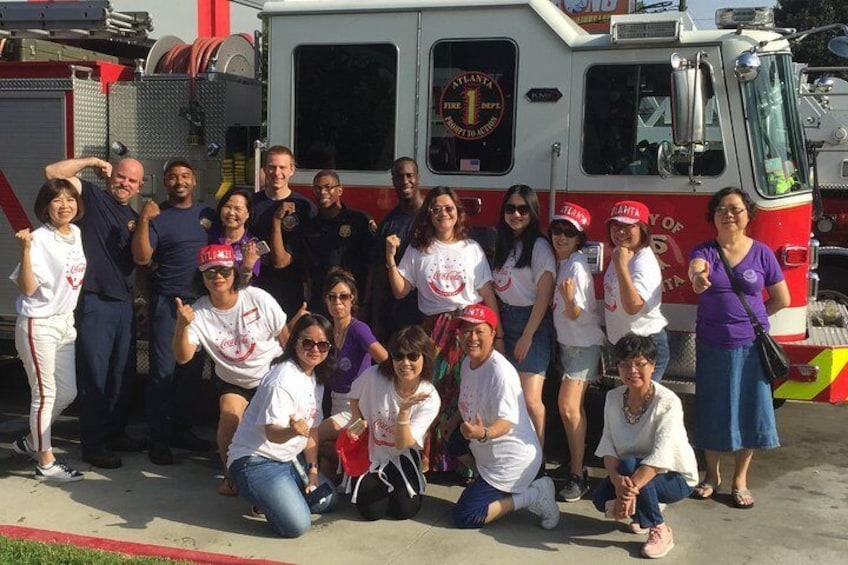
{"x": 485, "y": 94}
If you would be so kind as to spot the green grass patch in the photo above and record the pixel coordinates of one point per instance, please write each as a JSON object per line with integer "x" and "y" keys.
{"x": 24, "y": 552}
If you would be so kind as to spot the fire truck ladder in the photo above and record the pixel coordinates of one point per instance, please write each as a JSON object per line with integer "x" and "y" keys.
{"x": 71, "y": 20}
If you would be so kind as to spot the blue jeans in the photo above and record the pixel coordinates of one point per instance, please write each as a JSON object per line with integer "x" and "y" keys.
{"x": 276, "y": 488}
{"x": 473, "y": 505}
{"x": 665, "y": 487}
{"x": 663, "y": 355}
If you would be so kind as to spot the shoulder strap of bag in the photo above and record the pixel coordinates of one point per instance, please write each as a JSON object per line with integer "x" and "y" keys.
{"x": 758, "y": 328}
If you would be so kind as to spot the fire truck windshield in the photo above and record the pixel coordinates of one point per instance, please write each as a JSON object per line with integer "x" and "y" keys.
{"x": 774, "y": 128}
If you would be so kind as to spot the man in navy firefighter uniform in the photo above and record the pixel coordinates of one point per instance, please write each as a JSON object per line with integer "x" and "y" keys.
{"x": 168, "y": 239}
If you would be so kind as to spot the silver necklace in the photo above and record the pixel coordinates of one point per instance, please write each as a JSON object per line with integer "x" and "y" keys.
{"x": 629, "y": 416}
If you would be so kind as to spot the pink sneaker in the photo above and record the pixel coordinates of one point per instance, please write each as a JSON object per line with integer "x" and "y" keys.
{"x": 660, "y": 542}
{"x": 636, "y": 528}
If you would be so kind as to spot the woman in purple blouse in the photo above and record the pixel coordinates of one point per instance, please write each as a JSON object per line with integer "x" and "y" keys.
{"x": 733, "y": 395}
{"x": 357, "y": 348}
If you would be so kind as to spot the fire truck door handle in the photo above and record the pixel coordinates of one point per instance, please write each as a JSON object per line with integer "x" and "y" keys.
{"x": 556, "y": 153}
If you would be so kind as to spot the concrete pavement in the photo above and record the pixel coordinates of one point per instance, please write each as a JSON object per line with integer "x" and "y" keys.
{"x": 801, "y": 510}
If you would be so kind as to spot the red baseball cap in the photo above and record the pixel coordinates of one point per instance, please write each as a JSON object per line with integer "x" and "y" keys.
{"x": 479, "y": 314}
{"x": 215, "y": 256}
{"x": 629, "y": 212}
{"x": 576, "y": 215}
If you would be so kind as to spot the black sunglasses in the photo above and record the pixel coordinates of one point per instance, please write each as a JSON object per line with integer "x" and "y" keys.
{"x": 212, "y": 272}
{"x": 398, "y": 357}
{"x": 522, "y": 209}
{"x": 566, "y": 231}
{"x": 308, "y": 345}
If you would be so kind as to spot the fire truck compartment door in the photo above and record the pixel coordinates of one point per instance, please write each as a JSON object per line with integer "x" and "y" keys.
{"x": 34, "y": 134}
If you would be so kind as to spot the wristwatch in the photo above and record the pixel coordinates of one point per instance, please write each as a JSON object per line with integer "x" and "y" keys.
{"x": 485, "y": 437}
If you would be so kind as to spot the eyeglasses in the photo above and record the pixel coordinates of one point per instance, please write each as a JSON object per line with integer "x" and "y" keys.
{"x": 522, "y": 209}
{"x": 630, "y": 365}
{"x": 722, "y": 210}
{"x": 566, "y": 231}
{"x": 325, "y": 188}
{"x": 213, "y": 272}
{"x": 398, "y": 357}
{"x": 436, "y": 210}
{"x": 343, "y": 296}
{"x": 308, "y": 345}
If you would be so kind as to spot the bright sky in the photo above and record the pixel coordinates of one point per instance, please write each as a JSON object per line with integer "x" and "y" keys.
{"x": 703, "y": 11}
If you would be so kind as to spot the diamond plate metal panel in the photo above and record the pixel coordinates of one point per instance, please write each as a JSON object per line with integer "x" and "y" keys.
{"x": 146, "y": 117}
{"x": 19, "y": 84}
{"x": 91, "y": 124}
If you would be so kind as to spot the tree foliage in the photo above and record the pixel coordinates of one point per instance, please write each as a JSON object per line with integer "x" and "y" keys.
{"x": 807, "y": 14}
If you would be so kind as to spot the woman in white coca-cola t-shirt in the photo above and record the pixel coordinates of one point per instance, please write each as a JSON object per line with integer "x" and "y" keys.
{"x": 242, "y": 330}
{"x": 50, "y": 276}
{"x": 450, "y": 271}
{"x": 398, "y": 404}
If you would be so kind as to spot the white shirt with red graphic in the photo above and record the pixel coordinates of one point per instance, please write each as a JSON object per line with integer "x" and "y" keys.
{"x": 586, "y": 329}
{"x": 284, "y": 393}
{"x": 647, "y": 278}
{"x": 58, "y": 264}
{"x": 243, "y": 340}
{"x": 447, "y": 275}
{"x": 493, "y": 390}
{"x": 517, "y": 287}
{"x": 379, "y": 403}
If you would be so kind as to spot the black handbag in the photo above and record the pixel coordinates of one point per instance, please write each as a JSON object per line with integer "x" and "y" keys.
{"x": 774, "y": 358}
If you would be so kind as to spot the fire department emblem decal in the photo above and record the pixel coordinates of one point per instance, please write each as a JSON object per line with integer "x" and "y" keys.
{"x": 205, "y": 223}
{"x": 472, "y": 105}
{"x": 344, "y": 230}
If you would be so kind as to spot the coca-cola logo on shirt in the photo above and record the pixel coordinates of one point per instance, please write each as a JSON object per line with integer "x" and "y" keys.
{"x": 74, "y": 274}
{"x": 447, "y": 278}
{"x": 502, "y": 278}
{"x": 383, "y": 432}
{"x": 237, "y": 349}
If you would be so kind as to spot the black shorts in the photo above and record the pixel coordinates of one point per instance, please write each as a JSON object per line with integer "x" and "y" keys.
{"x": 227, "y": 388}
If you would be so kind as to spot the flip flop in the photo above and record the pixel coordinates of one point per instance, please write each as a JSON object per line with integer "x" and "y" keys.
{"x": 739, "y": 495}
{"x": 702, "y": 487}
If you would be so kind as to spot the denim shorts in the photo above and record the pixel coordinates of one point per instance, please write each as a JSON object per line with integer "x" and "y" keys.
{"x": 580, "y": 363}
{"x": 513, "y": 319}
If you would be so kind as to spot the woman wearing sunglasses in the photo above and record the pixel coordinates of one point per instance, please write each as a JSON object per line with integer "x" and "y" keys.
{"x": 274, "y": 455}
{"x": 242, "y": 329}
{"x": 578, "y": 330}
{"x": 356, "y": 345}
{"x": 523, "y": 278}
{"x": 450, "y": 271}
{"x": 398, "y": 403}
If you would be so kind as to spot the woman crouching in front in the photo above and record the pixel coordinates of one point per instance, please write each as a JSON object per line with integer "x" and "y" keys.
{"x": 644, "y": 447}
{"x": 273, "y": 458}
{"x": 399, "y": 404}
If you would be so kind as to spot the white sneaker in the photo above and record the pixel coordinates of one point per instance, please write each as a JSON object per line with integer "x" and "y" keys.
{"x": 22, "y": 447}
{"x": 545, "y": 506}
{"x": 57, "y": 473}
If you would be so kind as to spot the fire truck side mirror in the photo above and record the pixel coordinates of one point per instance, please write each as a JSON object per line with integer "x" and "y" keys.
{"x": 688, "y": 100}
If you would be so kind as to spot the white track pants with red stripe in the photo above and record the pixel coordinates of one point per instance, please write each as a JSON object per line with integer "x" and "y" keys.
{"x": 46, "y": 347}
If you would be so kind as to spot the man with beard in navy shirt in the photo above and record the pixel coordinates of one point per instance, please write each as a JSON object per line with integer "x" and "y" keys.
{"x": 168, "y": 239}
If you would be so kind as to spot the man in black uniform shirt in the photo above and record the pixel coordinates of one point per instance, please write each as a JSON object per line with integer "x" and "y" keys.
{"x": 279, "y": 215}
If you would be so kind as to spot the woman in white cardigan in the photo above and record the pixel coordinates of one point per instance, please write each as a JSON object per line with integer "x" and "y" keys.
{"x": 644, "y": 447}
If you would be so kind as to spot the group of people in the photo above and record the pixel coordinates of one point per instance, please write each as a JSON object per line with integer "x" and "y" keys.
{"x": 283, "y": 294}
